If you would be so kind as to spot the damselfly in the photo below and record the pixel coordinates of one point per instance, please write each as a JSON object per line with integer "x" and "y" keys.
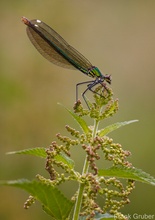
{"x": 55, "y": 49}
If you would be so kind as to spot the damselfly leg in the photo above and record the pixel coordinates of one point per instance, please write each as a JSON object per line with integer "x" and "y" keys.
{"x": 90, "y": 85}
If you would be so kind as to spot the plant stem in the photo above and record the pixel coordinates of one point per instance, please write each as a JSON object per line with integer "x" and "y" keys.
{"x": 84, "y": 172}
{"x": 80, "y": 193}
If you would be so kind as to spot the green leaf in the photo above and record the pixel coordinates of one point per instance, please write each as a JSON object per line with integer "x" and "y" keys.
{"x": 52, "y": 200}
{"x": 65, "y": 159}
{"x": 128, "y": 173}
{"x": 41, "y": 152}
{"x": 38, "y": 151}
{"x": 79, "y": 120}
{"x": 113, "y": 127}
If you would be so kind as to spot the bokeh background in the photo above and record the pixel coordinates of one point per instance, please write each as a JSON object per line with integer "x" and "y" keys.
{"x": 116, "y": 36}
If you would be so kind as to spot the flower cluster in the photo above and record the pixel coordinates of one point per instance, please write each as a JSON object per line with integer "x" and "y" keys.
{"x": 97, "y": 147}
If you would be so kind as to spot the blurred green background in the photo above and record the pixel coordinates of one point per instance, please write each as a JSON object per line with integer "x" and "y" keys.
{"x": 116, "y": 36}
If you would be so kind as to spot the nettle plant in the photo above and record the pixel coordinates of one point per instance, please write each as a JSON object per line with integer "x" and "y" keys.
{"x": 112, "y": 184}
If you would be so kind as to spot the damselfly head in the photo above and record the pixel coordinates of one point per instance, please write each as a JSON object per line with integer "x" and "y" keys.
{"x": 108, "y": 78}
